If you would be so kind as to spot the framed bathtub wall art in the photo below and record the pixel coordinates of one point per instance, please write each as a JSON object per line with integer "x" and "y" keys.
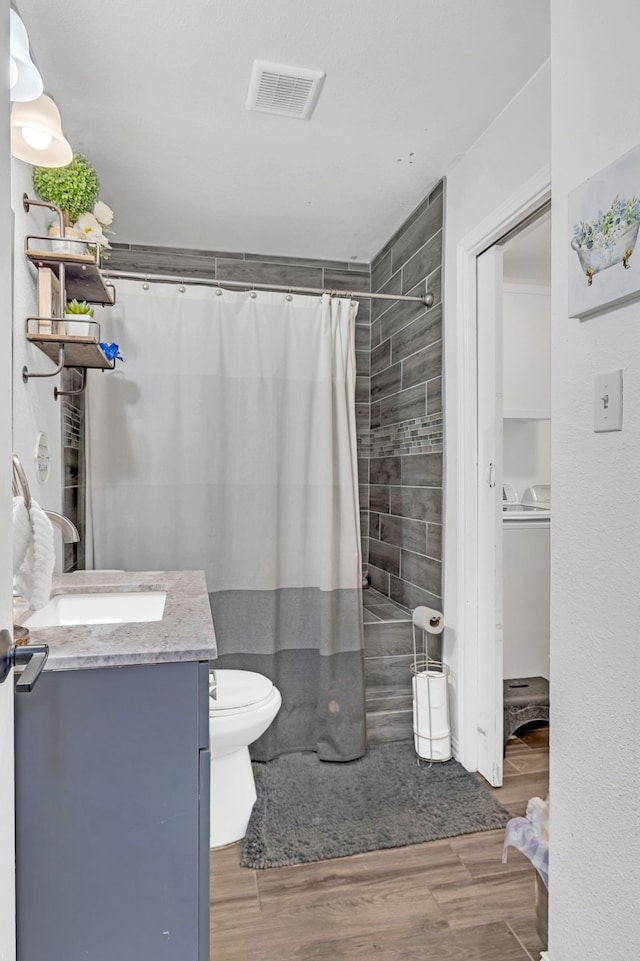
{"x": 604, "y": 256}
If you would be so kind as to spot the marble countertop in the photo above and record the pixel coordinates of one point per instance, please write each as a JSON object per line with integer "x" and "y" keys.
{"x": 185, "y": 632}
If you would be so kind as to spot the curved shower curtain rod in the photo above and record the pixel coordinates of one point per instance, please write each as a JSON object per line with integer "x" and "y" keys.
{"x": 426, "y": 299}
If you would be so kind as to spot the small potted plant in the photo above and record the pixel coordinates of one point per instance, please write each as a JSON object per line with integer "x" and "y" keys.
{"x": 75, "y": 189}
{"x": 76, "y": 322}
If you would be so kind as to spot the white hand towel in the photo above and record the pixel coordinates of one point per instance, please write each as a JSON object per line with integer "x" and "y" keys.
{"x": 33, "y": 579}
{"x": 21, "y": 533}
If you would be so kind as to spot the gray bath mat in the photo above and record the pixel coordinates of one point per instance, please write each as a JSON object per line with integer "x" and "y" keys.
{"x": 311, "y": 810}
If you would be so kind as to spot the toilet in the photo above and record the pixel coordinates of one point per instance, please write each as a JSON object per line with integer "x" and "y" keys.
{"x": 243, "y": 708}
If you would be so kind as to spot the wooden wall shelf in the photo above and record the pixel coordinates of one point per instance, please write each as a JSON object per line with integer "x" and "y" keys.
{"x": 78, "y": 351}
{"x": 79, "y": 278}
{"x": 83, "y": 279}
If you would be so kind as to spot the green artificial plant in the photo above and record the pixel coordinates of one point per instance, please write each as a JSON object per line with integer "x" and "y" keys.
{"x": 73, "y": 188}
{"x": 79, "y": 307}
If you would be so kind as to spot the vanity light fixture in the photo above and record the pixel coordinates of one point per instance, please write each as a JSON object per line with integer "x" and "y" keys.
{"x": 36, "y": 134}
{"x": 24, "y": 76}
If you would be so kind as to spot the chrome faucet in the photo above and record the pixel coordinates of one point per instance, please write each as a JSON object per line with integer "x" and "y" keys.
{"x": 70, "y": 534}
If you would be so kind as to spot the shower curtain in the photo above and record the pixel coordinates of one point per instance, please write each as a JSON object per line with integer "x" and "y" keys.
{"x": 227, "y": 443}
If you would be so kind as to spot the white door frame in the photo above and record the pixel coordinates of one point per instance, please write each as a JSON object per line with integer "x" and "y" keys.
{"x": 524, "y": 202}
{"x": 489, "y": 272}
{"x": 7, "y": 798}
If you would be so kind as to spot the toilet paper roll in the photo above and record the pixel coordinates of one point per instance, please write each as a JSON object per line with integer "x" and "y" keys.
{"x": 431, "y": 730}
{"x": 430, "y": 704}
{"x": 435, "y": 749}
{"x": 428, "y": 619}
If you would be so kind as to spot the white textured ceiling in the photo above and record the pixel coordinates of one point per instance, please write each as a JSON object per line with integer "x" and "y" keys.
{"x": 153, "y": 93}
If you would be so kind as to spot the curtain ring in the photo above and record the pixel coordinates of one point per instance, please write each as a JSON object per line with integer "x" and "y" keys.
{"x": 218, "y": 291}
{"x": 289, "y": 296}
{"x": 253, "y": 294}
{"x": 145, "y": 285}
{"x": 182, "y": 287}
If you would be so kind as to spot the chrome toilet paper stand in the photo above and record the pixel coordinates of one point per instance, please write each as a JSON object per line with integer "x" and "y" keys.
{"x": 429, "y": 675}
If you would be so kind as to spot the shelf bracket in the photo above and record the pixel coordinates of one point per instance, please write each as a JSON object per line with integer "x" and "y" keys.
{"x": 72, "y": 393}
{"x": 28, "y": 202}
{"x": 26, "y": 376}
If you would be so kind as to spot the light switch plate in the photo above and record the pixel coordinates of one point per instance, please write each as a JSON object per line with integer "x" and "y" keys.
{"x": 607, "y": 402}
{"x": 42, "y": 458}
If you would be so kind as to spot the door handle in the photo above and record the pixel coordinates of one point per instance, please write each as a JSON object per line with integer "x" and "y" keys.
{"x": 491, "y": 474}
{"x": 33, "y": 656}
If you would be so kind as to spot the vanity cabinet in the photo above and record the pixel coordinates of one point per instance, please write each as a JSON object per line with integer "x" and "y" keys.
{"x": 112, "y": 814}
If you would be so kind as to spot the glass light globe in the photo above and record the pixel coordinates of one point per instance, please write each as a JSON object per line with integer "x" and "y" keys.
{"x": 36, "y": 133}
{"x": 38, "y": 139}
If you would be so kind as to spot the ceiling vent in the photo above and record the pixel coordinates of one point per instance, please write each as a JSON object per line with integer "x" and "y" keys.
{"x": 288, "y": 91}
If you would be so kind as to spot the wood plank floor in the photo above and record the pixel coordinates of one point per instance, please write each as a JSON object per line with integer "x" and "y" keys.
{"x": 448, "y": 900}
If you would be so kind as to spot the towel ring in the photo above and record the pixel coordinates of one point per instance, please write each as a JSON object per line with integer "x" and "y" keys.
{"x": 20, "y": 484}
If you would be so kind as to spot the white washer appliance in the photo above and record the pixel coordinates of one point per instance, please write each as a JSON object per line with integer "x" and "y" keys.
{"x": 526, "y": 560}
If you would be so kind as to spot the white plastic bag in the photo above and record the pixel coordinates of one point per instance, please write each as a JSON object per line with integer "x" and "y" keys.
{"x": 530, "y": 835}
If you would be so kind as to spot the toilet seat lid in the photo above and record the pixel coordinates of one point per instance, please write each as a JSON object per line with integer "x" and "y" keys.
{"x": 239, "y": 689}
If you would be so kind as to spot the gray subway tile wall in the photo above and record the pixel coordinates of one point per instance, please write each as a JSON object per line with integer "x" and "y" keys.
{"x": 388, "y": 647}
{"x": 259, "y": 272}
{"x": 424, "y": 224}
{"x": 408, "y": 534}
{"x": 73, "y": 466}
{"x": 416, "y": 334}
{"x": 406, "y": 463}
{"x": 252, "y": 268}
{"x": 406, "y": 429}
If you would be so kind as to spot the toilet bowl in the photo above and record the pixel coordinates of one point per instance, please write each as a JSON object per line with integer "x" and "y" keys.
{"x": 243, "y": 708}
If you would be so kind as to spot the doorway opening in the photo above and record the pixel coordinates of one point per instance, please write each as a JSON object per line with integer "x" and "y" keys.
{"x": 513, "y": 485}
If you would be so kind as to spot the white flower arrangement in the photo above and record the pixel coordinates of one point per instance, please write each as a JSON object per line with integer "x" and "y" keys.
{"x": 94, "y": 224}
{"x": 103, "y": 214}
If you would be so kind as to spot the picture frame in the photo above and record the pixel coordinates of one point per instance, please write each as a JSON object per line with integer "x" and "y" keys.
{"x": 49, "y": 302}
{"x": 604, "y": 256}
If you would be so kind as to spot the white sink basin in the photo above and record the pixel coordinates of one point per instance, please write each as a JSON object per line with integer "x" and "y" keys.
{"x": 118, "y": 608}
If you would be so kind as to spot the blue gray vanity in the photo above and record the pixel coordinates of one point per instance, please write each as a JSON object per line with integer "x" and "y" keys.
{"x": 112, "y": 781}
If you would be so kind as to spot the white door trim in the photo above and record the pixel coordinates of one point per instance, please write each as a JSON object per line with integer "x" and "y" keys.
{"x": 7, "y": 793}
{"x": 524, "y": 202}
{"x": 489, "y": 288}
